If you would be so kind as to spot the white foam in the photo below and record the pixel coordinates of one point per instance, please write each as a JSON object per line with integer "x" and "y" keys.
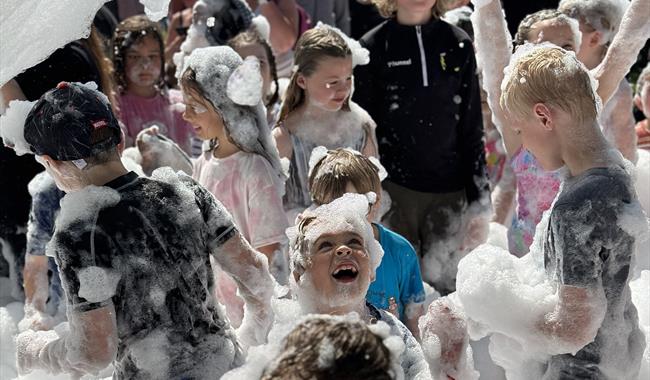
{"x": 12, "y": 125}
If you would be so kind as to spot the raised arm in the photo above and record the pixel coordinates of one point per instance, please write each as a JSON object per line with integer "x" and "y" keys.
{"x": 250, "y": 271}
{"x": 493, "y": 51}
{"x": 621, "y": 55}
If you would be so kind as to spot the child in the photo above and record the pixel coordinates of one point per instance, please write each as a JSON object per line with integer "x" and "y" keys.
{"x": 252, "y": 43}
{"x": 134, "y": 257}
{"x": 599, "y": 22}
{"x": 422, "y": 89}
{"x": 555, "y": 108}
{"x": 355, "y": 351}
{"x": 143, "y": 101}
{"x": 317, "y": 109}
{"x": 334, "y": 257}
{"x": 241, "y": 167}
{"x": 642, "y": 101}
{"x": 398, "y": 285}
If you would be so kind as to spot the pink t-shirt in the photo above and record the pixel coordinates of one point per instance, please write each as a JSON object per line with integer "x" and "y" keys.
{"x": 138, "y": 113}
{"x": 249, "y": 188}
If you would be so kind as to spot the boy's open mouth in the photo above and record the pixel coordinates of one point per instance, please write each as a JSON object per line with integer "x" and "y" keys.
{"x": 345, "y": 272}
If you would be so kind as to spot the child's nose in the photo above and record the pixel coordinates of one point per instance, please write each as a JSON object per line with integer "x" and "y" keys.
{"x": 343, "y": 250}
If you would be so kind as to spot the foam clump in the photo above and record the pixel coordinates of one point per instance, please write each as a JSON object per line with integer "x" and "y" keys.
{"x": 641, "y": 299}
{"x": 480, "y": 3}
{"x": 12, "y": 126}
{"x": 97, "y": 284}
{"x": 155, "y": 9}
{"x": 245, "y": 83}
{"x": 29, "y": 23}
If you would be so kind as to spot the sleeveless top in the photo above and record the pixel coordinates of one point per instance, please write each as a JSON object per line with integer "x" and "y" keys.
{"x": 536, "y": 190}
{"x": 297, "y": 187}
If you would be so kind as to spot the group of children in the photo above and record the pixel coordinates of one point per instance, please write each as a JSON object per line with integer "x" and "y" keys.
{"x": 145, "y": 262}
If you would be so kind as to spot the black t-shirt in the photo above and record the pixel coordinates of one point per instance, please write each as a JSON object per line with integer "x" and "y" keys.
{"x": 152, "y": 244}
{"x": 588, "y": 245}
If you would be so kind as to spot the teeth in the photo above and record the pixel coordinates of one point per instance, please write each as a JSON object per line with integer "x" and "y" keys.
{"x": 345, "y": 267}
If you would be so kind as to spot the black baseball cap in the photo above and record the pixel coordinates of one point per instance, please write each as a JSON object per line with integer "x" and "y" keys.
{"x": 71, "y": 122}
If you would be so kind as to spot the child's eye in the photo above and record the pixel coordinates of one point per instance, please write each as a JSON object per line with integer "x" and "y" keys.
{"x": 355, "y": 242}
{"x": 324, "y": 246}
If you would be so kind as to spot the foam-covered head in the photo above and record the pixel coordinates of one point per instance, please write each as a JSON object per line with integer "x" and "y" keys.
{"x": 642, "y": 98}
{"x": 549, "y": 25}
{"x": 333, "y": 347}
{"x": 603, "y": 16}
{"x": 212, "y": 69}
{"x": 222, "y": 19}
{"x": 548, "y": 74}
{"x": 388, "y": 8}
{"x": 71, "y": 122}
{"x": 333, "y": 254}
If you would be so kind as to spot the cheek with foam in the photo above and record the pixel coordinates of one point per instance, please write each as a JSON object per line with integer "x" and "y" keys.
{"x": 133, "y": 74}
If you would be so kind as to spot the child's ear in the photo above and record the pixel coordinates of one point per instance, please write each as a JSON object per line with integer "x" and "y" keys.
{"x": 594, "y": 38}
{"x": 301, "y": 81}
{"x": 543, "y": 115}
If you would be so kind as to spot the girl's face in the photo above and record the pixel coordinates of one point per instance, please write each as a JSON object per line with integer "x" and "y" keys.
{"x": 200, "y": 113}
{"x": 550, "y": 31}
{"x": 329, "y": 86}
{"x": 416, "y": 6}
{"x": 258, "y": 51}
{"x": 143, "y": 63}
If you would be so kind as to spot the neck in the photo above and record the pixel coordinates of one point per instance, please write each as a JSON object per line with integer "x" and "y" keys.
{"x": 100, "y": 175}
{"x": 225, "y": 148}
{"x": 595, "y": 57}
{"x": 142, "y": 91}
{"x": 590, "y": 151}
{"x": 413, "y": 18}
{"x": 359, "y": 308}
{"x": 312, "y": 111}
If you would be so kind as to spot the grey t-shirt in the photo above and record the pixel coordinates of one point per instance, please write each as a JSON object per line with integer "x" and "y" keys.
{"x": 586, "y": 247}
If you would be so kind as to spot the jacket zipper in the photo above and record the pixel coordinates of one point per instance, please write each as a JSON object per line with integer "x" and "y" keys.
{"x": 423, "y": 58}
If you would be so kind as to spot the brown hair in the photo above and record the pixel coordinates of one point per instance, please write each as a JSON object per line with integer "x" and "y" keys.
{"x": 552, "y": 76}
{"x": 252, "y": 37}
{"x": 526, "y": 25}
{"x": 130, "y": 32}
{"x": 312, "y": 46}
{"x": 332, "y": 173}
{"x": 352, "y": 352}
{"x": 388, "y": 8}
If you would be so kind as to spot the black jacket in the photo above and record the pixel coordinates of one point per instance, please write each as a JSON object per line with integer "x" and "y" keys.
{"x": 422, "y": 90}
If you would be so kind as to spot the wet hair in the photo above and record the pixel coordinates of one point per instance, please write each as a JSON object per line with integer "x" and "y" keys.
{"x": 644, "y": 77}
{"x": 388, "y": 8}
{"x": 596, "y": 15}
{"x": 526, "y": 25}
{"x": 128, "y": 33}
{"x": 324, "y": 348}
{"x": 336, "y": 170}
{"x": 314, "y": 45}
{"x": 553, "y": 76}
{"x": 190, "y": 85}
{"x": 252, "y": 37}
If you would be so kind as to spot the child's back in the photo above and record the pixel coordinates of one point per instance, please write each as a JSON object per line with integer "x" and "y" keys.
{"x": 589, "y": 245}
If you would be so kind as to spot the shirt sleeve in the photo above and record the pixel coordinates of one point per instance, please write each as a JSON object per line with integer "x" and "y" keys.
{"x": 411, "y": 288}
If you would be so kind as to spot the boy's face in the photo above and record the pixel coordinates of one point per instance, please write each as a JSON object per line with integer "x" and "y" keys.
{"x": 340, "y": 268}
{"x": 643, "y": 99}
{"x": 205, "y": 120}
{"x": 550, "y": 31}
{"x": 330, "y": 85}
{"x": 415, "y": 6}
{"x": 143, "y": 63}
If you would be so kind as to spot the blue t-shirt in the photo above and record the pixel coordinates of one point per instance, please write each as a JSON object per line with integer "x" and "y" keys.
{"x": 398, "y": 281}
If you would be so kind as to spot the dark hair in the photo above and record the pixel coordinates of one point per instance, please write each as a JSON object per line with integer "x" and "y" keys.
{"x": 128, "y": 33}
{"x": 252, "y": 37}
{"x": 354, "y": 352}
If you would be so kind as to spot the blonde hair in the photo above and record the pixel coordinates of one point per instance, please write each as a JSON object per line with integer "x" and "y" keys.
{"x": 336, "y": 170}
{"x": 314, "y": 45}
{"x": 549, "y": 75}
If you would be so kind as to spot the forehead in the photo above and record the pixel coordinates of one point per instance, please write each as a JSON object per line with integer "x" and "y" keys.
{"x": 553, "y": 31}
{"x": 147, "y": 42}
{"x": 334, "y": 67}
{"x": 330, "y": 229}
